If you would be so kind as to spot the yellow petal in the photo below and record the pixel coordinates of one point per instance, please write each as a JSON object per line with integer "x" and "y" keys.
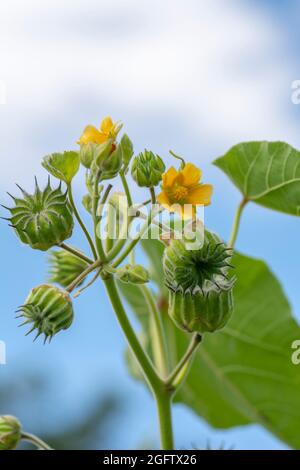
{"x": 201, "y": 194}
{"x": 164, "y": 200}
{"x": 107, "y": 125}
{"x": 169, "y": 177}
{"x": 91, "y": 134}
{"x": 190, "y": 175}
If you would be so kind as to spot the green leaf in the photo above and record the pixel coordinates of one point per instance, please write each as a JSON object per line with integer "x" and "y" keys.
{"x": 242, "y": 374}
{"x": 63, "y": 166}
{"x": 267, "y": 173}
{"x": 127, "y": 150}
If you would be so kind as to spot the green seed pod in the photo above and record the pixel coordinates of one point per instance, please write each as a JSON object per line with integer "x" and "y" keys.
{"x": 43, "y": 219}
{"x": 147, "y": 169}
{"x": 189, "y": 270}
{"x": 65, "y": 267}
{"x": 10, "y": 432}
{"x": 200, "y": 297}
{"x": 134, "y": 274}
{"x": 49, "y": 310}
{"x": 201, "y": 312}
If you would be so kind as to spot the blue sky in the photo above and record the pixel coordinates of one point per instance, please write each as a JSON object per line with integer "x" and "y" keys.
{"x": 193, "y": 76}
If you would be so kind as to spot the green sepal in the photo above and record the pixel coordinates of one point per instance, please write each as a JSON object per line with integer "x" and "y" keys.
{"x": 63, "y": 166}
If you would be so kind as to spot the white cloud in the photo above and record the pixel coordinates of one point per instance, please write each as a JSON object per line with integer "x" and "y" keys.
{"x": 212, "y": 65}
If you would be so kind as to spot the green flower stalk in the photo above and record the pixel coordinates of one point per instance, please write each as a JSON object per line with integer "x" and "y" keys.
{"x": 44, "y": 219}
{"x": 48, "y": 310}
{"x": 10, "y": 432}
{"x": 65, "y": 267}
{"x": 147, "y": 169}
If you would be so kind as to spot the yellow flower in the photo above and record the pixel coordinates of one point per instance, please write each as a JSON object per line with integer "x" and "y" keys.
{"x": 184, "y": 187}
{"x": 108, "y": 130}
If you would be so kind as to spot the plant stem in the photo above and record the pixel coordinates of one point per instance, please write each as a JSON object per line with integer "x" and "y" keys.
{"x": 126, "y": 188}
{"x": 95, "y": 201}
{"x": 35, "y": 440}
{"x": 160, "y": 349}
{"x": 142, "y": 358}
{"x": 184, "y": 362}
{"x": 236, "y": 222}
{"x": 153, "y": 196}
{"x": 133, "y": 243}
{"x": 75, "y": 252}
{"x": 164, "y": 411}
{"x": 80, "y": 221}
{"x": 83, "y": 275}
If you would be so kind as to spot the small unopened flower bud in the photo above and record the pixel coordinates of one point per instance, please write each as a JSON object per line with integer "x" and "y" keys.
{"x": 134, "y": 274}
{"x": 147, "y": 169}
{"x": 111, "y": 165}
{"x": 65, "y": 267}
{"x": 43, "y": 219}
{"x": 10, "y": 432}
{"x": 86, "y": 154}
{"x": 48, "y": 309}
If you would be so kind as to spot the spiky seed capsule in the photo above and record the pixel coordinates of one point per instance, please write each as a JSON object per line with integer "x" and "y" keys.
{"x": 43, "y": 219}
{"x": 65, "y": 267}
{"x": 200, "y": 291}
{"x": 147, "y": 169}
{"x": 188, "y": 271}
{"x": 48, "y": 309}
{"x": 10, "y": 432}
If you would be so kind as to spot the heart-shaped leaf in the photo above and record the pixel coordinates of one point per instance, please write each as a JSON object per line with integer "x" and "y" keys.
{"x": 267, "y": 173}
{"x": 243, "y": 373}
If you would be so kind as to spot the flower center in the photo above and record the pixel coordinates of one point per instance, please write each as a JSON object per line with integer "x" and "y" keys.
{"x": 179, "y": 193}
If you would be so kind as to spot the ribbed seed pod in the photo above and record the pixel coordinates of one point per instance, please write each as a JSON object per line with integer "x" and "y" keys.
{"x": 188, "y": 270}
{"x": 200, "y": 291}
{"x": 49, "y": 310}
{"x": 147, "y": 169}
{"x": 43, "y": 219}
{"x": 10, "y": 432}
{"x": 65, "y": 267}
{"x": 201, "y": 312}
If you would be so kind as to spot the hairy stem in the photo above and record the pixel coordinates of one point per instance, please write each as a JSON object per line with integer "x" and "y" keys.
{"x": 75, "y": 252}
{"x": 141, "y": 356}
{"x": 179, "y": 373}
{"x": 160, "y": 348}
{"x": 83, "y": 275}
{"x": 236, "y": 222}
{"x": 80, "y": 221}
{"x": 164, "y": 411}
{"x": 39, "y": 443}
{"x": 126, "y": 188}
